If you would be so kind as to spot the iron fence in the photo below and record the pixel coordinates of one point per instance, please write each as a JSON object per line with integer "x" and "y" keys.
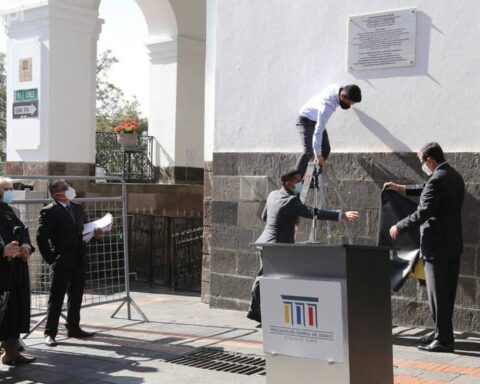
{"x": 167, "y": 250}
{"x": 134, "y": 166}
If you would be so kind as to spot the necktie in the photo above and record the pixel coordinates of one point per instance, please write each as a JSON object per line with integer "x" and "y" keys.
{"x": 70, "y": 211}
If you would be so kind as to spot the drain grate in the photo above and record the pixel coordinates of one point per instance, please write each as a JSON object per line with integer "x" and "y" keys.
{"x": 223, "y": 362}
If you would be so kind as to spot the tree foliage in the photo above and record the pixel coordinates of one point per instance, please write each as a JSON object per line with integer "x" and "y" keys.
{"x": 112, "y": 106}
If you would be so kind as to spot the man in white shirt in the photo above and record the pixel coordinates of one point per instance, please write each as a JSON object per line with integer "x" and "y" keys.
{"x": 313, "y": 118}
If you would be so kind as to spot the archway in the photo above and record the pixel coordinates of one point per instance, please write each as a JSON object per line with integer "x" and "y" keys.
{"x": 61, "y": 39}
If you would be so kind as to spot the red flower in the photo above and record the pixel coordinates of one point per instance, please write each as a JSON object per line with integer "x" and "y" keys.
{"x": 128, "y": 126}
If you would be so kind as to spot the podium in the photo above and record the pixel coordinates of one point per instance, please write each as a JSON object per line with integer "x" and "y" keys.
{"x": 326, "y": 314}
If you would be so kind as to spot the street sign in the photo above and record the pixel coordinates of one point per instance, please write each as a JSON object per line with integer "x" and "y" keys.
{"x": 26, "y": 94}
{"x": 25, "y": 109}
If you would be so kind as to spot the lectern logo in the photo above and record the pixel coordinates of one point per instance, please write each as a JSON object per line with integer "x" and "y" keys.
{"x": 300, "y": 311}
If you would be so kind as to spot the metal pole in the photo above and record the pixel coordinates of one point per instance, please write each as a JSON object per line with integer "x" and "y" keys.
{"x": 315, "y": 209}
{"x": 125, "y": 248}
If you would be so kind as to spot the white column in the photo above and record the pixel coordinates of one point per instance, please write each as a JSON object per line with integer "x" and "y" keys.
{"x": 190, "y": 103}
{"x": 163, "y": 100}
{"x": 177, "y": 94}
{"x": 211, "y": 48}
{"x": 59, "y": 39}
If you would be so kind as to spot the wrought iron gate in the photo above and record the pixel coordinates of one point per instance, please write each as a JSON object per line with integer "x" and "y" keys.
{"x": 167, "y": 250}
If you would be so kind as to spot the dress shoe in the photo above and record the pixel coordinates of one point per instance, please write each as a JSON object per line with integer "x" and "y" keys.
{"x": 436, "y": 346}
{"x": 79, "y": 333}
{"x": 50, "y": 341}
{"x": 17, "y": 359}
{"x": 427, "y": 339}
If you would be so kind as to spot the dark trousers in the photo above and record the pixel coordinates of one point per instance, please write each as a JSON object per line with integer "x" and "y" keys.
{"x": 306, "y": 128}
{"x": 65, "y": 280}
{"x": 442, "y": 278}
{"x": 254, "y": 311}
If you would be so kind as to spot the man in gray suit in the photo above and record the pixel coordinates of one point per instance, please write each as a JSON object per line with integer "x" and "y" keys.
{"x": 281, "y": 214}
{"x": 441, "y": 243}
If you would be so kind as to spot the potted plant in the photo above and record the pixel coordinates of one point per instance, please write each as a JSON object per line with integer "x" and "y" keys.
{"x": 126, "y": 134}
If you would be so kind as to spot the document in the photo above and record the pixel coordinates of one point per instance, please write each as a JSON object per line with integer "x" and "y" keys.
{"x": 105, "y": 224}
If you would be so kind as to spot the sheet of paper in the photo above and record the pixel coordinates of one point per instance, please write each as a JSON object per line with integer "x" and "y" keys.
{"x": 105, "y": 223}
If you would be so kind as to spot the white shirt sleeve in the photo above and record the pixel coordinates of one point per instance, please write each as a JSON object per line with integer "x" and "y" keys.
{"x": 324, "y": 114}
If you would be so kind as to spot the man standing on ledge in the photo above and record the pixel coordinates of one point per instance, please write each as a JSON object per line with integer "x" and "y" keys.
{"x": 59, "y": 239}
{"x": 313, "y": 118}
{"x": 281, "y": 213}
{"x": 441, "y": 243}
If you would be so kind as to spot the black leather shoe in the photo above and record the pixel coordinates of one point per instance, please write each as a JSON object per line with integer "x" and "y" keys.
{"x": 79, "y": 333}
{"x": 427, "y": 339}
{"x": 50, "y": 341}
{"x": 436, "y": 346}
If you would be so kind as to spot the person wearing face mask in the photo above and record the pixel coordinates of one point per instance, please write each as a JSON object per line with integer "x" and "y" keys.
{"x": 281, "y": 214}
{"x": 59, "y": 239}
{"x": 313, "y": 118}
{"x": 441, "y": 240}
{"x": 14, "y": 278}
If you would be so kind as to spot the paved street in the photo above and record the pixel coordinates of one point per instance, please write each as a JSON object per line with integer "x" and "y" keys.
{"x": 134, "y": 352}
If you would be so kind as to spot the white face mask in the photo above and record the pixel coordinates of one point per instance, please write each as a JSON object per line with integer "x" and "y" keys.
{"x": 7, "y": 197}
{"x": 70, "y": 193}
{"x": 298, "y": 188}
{"x": 427, "y": 170}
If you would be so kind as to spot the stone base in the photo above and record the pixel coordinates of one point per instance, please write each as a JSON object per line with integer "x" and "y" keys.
{"x": 47, "y": 168}
{"x": 207, "y": 230}
{"x": 240, "y": 183}
{"x": 52, "y": 168}
{"x": 184, "y": 175}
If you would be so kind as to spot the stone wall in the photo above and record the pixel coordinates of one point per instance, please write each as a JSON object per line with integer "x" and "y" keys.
{"x": 241, "y": 182}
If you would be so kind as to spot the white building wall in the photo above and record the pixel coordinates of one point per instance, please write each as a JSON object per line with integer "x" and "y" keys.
{"x": 210, "y": 78}
{"x": 271, "y": 56}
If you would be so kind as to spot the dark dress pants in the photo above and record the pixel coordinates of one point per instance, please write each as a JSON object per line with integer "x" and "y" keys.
{"x": 254, "y": 311}
{"x": 65, "y": 280}
{"x": 442, "y": 278}
{"x": 306, "y": 128}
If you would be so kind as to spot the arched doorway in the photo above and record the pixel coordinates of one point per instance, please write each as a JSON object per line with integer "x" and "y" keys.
{"x": 60, "y": 39}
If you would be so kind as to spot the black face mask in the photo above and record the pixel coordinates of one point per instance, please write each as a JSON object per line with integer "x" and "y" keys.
{"x": 344, "y": 105}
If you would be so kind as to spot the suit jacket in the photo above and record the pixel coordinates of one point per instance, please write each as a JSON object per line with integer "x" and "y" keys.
{"x": 438, "y": 214}
{"x": 59, "y": 238}
{"x": 281, "y": 213}
{"x": 14, "y": 276}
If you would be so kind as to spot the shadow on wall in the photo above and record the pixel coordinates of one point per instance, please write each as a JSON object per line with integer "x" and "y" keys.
{"x": 381, "y": 132}
{"x": 424, "y": 27}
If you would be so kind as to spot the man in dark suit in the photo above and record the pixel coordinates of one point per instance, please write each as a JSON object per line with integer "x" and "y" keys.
{"x": 59, "y": 239}
{"x": 439, "y": 217}
{"x": 281, "y": 214}
{"x": 14, "y": 278}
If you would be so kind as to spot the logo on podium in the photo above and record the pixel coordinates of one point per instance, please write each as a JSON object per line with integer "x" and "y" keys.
{"x": 300, "y": 311}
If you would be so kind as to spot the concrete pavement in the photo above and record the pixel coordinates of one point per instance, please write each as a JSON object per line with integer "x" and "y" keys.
{"x": 134, "y": 352}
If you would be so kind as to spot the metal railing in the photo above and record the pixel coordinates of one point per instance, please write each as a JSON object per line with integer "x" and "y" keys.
{"x": 167, "y": 250}
{"x": 134, "y": 166}
{"x": 107, "y": 270}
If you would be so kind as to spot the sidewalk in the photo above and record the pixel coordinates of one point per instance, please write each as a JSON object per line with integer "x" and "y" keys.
{"x": 134, "y": 352}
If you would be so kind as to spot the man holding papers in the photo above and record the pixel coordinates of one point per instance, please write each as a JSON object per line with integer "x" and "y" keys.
{"x": 59, "y": 239}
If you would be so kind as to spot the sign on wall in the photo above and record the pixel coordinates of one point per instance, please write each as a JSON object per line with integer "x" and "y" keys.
{"x": 25, "y": 103}
{"x": 25, "y": 70}
{"x": 382, "y": 40}
{"x": 303, "y": 318}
